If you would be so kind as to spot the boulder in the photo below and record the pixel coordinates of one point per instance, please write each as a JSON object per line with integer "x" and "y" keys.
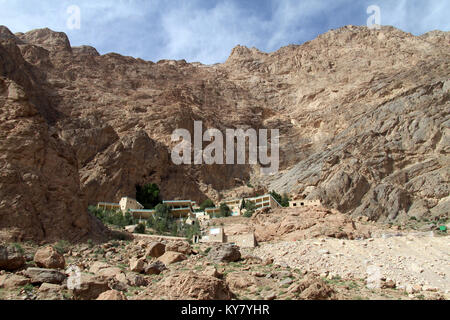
{"x": 111, "y": 272}
{"x": 194, "y": 286}
{"x": 137, "y": 265}
{"x": 10, "y": 281}
{"x": 224, "y": 253}
{"x": 155, "y": 268}
{"x": 97, "y": 266}
{"x": 136, "y": 280}
{"x": 48, "y": 291}
{"x": 179, "y": 246}
{"x": 171, "y": 257}
{"x": 112, "y": 295}
{"x": 40, "y": 275}
{"x": 211, "y": 271}
{"x": 11, "y": 258}
{"x": 156, "y": 249}
{"x": 49, "y": 258}
{"x": 90, "y": 287}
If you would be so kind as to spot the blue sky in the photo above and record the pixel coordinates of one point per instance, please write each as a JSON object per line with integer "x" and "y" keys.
{"x": 207, "y": 30}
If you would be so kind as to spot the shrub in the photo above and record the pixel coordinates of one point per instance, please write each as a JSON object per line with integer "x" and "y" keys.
{"x": 207, "y": 204}
{"x": 225, "y": 210}
{"x": 283, "y": 200}
{"x": 140, "y": 228}
{"x": 61, "y": 246}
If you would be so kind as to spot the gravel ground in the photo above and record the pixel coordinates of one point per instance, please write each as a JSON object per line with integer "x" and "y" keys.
{"x": 407, "y": 260}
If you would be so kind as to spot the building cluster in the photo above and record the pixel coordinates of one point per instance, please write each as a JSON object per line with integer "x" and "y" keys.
{"x": 188, "y": 209}
{"x": 189, "y": 212}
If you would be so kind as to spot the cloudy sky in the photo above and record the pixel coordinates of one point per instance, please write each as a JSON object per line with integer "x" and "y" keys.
{"x": 207, "y": 30}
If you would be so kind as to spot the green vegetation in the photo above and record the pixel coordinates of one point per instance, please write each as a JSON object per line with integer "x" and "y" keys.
{"x": 163, "y": 223}
{"x": 207, "y": 204}
{"x": 225, "y": 210}
{"x": 140, "y": 228}
{"x": 18, "y": 247}
{"x": 148, "y": 195}
{"x": 283, "y": 200}
{"x": 115, "y": 218}
{"x": 250, "y": 207}
{"x": 62, "y": 246}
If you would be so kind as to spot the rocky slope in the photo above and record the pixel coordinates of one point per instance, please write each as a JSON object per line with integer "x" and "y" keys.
{"x": 363, "y": 118}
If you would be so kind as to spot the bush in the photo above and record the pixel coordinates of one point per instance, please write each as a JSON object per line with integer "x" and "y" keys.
{"x": 207, "y": 204}
{"x": 225, "y": 210}
{"x": 140, "y": 228}
{"x": 282, "y": 200}
{"x": 115, "y": 218}
{"x": 61, "y": 246}
{"x": 251, "y": 208}
{"x": 148, "y": 195}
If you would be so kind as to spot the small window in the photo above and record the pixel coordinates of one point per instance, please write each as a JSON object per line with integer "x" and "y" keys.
{"x": 295, "y": 204}
{"x": 302, "y": 204}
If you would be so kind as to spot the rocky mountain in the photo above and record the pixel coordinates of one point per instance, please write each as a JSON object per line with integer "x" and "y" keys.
{"x": 363, "y": 118}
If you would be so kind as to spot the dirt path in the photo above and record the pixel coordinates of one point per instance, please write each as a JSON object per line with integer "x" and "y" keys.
{"x": 407, "y": 260}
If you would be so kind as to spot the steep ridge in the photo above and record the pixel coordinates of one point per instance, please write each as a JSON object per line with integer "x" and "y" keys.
{"x": 363, "y": 119}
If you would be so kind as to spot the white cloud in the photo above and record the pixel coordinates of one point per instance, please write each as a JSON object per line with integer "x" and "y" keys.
{"x": 206, "y": 30}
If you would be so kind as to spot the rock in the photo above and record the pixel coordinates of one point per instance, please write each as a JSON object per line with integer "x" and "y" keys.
{"x": 312, "y": 288}
{"x": 267, "y": 262}
{"x": 171, "y": 257}
{"x": 389, "y": 284}
{"x": 239, "y": 281}
{"x": 137, "y": 265}
{"x": 11, "y": 258}
{"x": 48, "y": 291}
{"x": 10, "y": 281}
{"x": 112, "y": 295}
{"x": 182, "y": 286}
{"x": 224, "y": 253}
{"x": 97, "y": 266}
{"x": 111, "y": 272}
{"x": 40, "y": 275}
{"x": 286, "y": 282}
{"x": 49, "y": 258}
{"x": 156, "y": 249}
{"x": 136, "y": 280}
{"x": 90, "y": 287}
{"x": 131, "y": 229}
{"x": 211, "y": 271}
{"x": 155, "y": 268}
{"x": 179, "y": 246}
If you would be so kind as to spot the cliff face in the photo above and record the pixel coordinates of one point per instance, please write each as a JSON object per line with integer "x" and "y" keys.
{"x": 363, "y": 119}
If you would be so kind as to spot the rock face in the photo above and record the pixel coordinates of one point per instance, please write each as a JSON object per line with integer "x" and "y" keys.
{"x": 48, "y": 257}
{"x": 362, "y": 116}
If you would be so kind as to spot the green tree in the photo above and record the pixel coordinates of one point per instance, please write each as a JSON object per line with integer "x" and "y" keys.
{"x": 282, "y": 200}
{"x": 285, "y": 200}
{"x": 251, "y": 208}
{"x": 225, "y": 210}
{"x": 207, "y": 204}
{"x": 148, "y": 195}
